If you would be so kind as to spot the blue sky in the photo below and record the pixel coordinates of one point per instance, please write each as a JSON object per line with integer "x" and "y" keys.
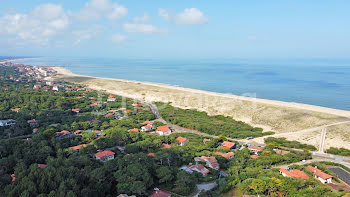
{"x": 176, "y": 29}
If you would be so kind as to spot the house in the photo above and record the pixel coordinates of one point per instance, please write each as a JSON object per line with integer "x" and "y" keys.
{"x": 320, "y": 175}
{"x": 78, "y": 147}
{"x": 281, "y": 152}
{"x": 163, "y": 130}
{"x": 109, "y": 115}
{"x": 255, "y": 149}
{"x": 196, "y": 168}
{"x": 78, "y": 132}
{"x": 228, "y": 145}
{"x": 151, "y": 154}
{"x": 147, "y": 128}
{"x": 128, "y": 111}
{"x": 76, "y": 110}
{"x": 4, "y": 123}
{"x": 63, "y": 134}
{"x": 181, "y": 140}
{"x": 15, "y": 109}
{"x": 134, "y": 130}
{"x": 166, "y": 146}
{"x": 254, "y": 156}
{"x": 55, "y": 88}
{"x": 295, "y": 173}
{"x": 32, "y": 122}
{"x": 98, "y": 133}
{"x": 13, "y": 177}
{"x": 206, "y": 140}
{"x": 160, "y": 193}
{"x": 105, "y": 155}
{"x": 111, "y": 98}
{"x": 35, "y": 130}
{"x": 147, "y": 122}
{"x": 211, "y": 162}
{"x": 37, "y": 86}
{"x": 43, "y": 166}
{"x": 228, "y": 155}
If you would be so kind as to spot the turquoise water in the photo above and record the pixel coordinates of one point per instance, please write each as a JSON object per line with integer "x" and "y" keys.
{"x": 323, "y": 82}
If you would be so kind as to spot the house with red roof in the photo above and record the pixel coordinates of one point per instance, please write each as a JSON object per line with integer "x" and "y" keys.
{"x": 196, "y": 168}
{"x": 109, "y": 115}
{"x": 35, "y": 130}
{"x": 255, "y": 149}
{"x": 228, "y": 155}
{"x": 134, "y": 130}
{"x": 43, "y": 166}
{"x": 151, "y": 154}
{"x": 228, "y": 145}
{"x": 15, "y": 109}
{"x": 78, "y": 147}
{"x": 37, "y": 86}
{"x": 294, "y": 173}
{"x": 98, "y": 132}
{"x": 160, "y": 193}
{"x": 105, "y": 155}
{"x": 211, "y": 162}
{"x": 166, "y": 146}
{"x": 13, "y": 177}
{"x": 181, "y": 140}
{"x": 254, "y": 156}
{"x": 163, "y": 130}
{"x": 63, "y": 134}
{"x": 78, "y": 132}
{"x": 147, "y": 122}
{"x": 128, "y": 111}
{"x": 111, "y": 98}
{"x": 76, "y": 110}
{"x": 147, "y": 127}
{"x": 320, "y": 175}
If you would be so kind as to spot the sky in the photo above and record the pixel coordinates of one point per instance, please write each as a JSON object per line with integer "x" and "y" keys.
{"x": 176, "y": 29}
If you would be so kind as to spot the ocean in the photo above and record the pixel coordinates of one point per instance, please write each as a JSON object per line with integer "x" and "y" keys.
{"x": 322, "y": 82}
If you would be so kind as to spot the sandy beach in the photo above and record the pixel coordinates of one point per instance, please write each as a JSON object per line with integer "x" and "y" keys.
{"x": 278, "y": 116}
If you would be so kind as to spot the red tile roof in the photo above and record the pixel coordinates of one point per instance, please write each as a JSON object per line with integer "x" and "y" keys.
{"x": 111, "y": 96}
{"x": 78, "y": 147}
{"x": 148, "y": 126}
{"x": 181, "y": 139}
{"x": 42, "y": 166}
{"x": 294, "y": 173}
{"x": 160, "y": 193}
{"x": 318, "y": 172}
{"x": 35, "y": 130}
{"x": 166, "y": 146}
{"x": 228, "y": 145}
{"x": 211, "y": 162}
{"x": 15, "y": 109}
{"x": 254, "y": 156}
{"x": 105, "y": 153}
{"x": 78, "y": 131}
{"x": 226, "y": 155}
{"x": 163, "y": 128}
{"x": 147, "y": 122}
{"x": 109, "y": 115}
{"x": 134, "y": 130}
{"x": 76, "y": 110}
{"x": 128, "y": 111}
{"x": 200, "y": 168}
{"x": 13, "y": 177}
{"x": 151, "y": 154}
{"x": 256, "y": 148}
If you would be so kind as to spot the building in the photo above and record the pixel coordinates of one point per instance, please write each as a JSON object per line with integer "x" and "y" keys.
{"x": 295, "y": 173}
{"x": 181, "y": 140}
{"x": 111, "y": 98}
{"x": 98, "y": 133}
{"x": 228, "y": 145}
{"x": 320, "y": 175}
{"x": 15, "y": 109}
{"x": 228, "y": 155}
{"x": 255, "y": 149}
{"x": 105, "y": 155}
{"x": 211, "y": 162}
{"x": 151, "y": 154}
{"x": 196, "y": 168}
{"x": 43, "y": 166}
{"x": 254, "y": 156}
{"x": 134, "y": 130}
{"x": 206, "y": 140}
{"x": 281, "y": 152}
{"x": 64, "y": 134}
{"x": 160, "y": 193}
{"x": 166, "y": 146}
{"x": 147, "y": 128}
{"x": 4, "y": 123}
{"x": 76, "y": 110}
{"x": 163, "y": 130}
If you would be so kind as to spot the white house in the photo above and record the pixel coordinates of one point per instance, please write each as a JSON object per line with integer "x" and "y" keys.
{"x": 105, "y": 155}
{"x": 320, "y": 175}
{"x": 163, "y": 130}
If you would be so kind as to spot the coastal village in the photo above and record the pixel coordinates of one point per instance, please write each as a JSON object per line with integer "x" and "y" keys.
{"x": 109, "y": 128}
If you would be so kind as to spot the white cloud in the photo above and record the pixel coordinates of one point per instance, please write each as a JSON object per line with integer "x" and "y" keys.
{"x": 143, "y": 28}
{"x": 36, "y": 27}
{"x": 96, "y": 9}
{"x": 144, "y": 19}
{"x": 191, "y": 16}
{"x": 252, "y": 37}
{"x": 164, "y": 14}
{"x": 118, "y": 38}
{"x": 86, "y": 33}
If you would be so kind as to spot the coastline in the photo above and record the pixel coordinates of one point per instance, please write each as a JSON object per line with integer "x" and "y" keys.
{"x": 17, "y": 59}
{"x": 294, "y": 121}
{"x": 338, "y": 112}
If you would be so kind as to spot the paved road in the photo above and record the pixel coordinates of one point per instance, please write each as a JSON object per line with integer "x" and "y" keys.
{"x": 205, "y": 187}
{"x": 341, "y": 173}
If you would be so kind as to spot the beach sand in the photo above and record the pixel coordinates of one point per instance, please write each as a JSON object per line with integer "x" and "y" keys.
{"x": 278, "y": 116}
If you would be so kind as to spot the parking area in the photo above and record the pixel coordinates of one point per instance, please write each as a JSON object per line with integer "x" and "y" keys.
{"x": 341, "y": 174}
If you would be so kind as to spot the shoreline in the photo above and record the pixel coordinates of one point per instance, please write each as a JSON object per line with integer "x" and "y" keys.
{"x": 315, "y": 108}
{"x": 17, "y": 59}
